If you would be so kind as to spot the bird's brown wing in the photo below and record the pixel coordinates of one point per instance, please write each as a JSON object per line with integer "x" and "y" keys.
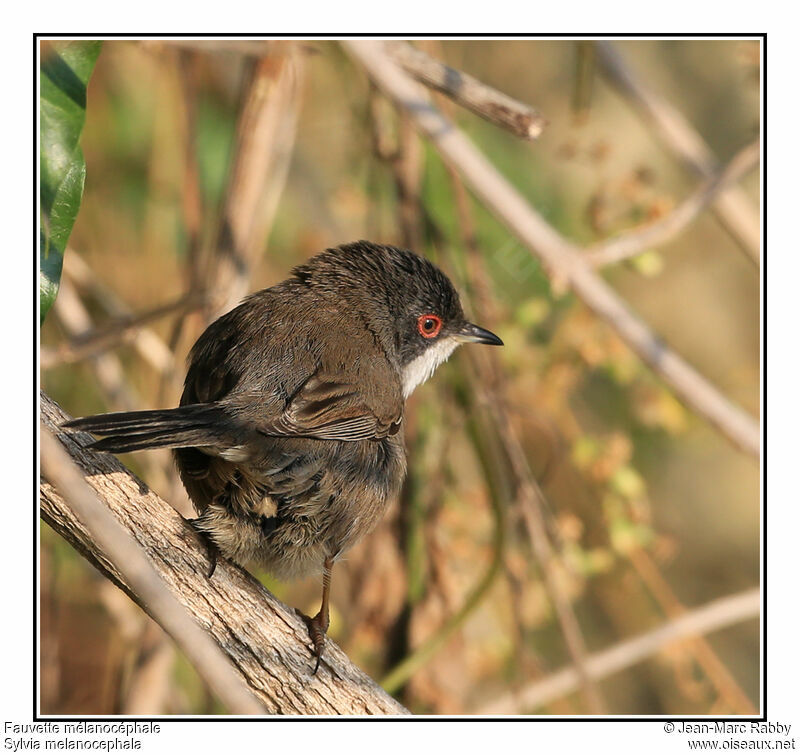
{"x": 246, "y": 363}
{"x": 329, "y": 409}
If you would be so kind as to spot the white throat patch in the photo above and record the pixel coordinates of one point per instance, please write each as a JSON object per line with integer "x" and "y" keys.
{"x": 421, "y": 368}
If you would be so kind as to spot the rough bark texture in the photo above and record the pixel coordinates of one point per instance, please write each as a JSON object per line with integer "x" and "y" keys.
{"x": 496, "y": 107}
{"x": 265, "y": 639}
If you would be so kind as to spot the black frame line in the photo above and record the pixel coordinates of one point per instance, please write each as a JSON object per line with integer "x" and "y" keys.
{"x": 37, "y": 36}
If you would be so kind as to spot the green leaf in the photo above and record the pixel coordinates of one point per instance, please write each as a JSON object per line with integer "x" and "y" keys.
{"x": 65, "y": 70}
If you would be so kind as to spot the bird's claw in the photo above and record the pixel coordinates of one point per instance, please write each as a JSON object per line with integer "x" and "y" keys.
{"x": 211, "y": 547}
{"x": 317, "y": 626}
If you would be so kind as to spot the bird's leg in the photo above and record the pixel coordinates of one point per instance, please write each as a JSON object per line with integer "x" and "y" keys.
{"x": 319, "y": 624}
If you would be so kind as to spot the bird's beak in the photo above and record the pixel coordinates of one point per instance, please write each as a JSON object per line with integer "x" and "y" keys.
{"x": 473, "y": 334}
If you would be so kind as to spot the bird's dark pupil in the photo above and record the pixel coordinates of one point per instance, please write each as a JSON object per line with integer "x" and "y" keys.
{"x": 429, "y": 324}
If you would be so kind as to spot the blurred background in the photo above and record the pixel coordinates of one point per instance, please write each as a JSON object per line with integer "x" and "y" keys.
{"x": 561, "y": 500}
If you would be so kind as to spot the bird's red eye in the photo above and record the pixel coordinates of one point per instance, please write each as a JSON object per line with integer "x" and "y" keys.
{"x": 429, "y": 325}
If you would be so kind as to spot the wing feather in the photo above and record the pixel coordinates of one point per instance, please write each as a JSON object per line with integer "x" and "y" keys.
{"x": 331, "y": 410}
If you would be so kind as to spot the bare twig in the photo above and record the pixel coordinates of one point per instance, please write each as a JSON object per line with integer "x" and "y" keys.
{"x": 560, "y": 257}
{"x": 584, "y": 79}
{"x": 138, "y": 573}
{"x": 530, "y": 501}
{"x": 716, "y": 615}
{"x": 496, "y": 107}
{"x": 148, "y": 344}
{"x": 408, "y": 178}
{"x": 638, "y": 240}
{"x": 406, "y": 167}
{"x": 732, "y": 206}
{"x": 264, "y": 142}
{"x": 148, "y": 688}
{"x": 728, "y": 688}
{"x": 117, "y": 390}
{"x": 256, "y": 48}
{"x": 74, "y": 318}
{"x": 144, "y": 669}
{"x": 124, "y": 329}
{"x": 404, "y": 670}
{"x": 267, "y": 641}
{"x": 192, "y": 201}
{"x": 193, "y": 209}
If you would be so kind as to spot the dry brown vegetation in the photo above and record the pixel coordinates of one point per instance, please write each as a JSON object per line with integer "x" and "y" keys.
{"x": 563, "y": 497}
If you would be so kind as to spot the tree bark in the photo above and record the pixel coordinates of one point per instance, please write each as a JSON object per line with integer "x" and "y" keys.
{"x": 265, "y": 639}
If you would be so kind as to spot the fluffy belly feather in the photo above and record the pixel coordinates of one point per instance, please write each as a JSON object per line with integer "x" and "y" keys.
{"x": 289, "y": 510}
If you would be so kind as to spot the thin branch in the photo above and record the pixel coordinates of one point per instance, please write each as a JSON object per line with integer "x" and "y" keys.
{"x": 483, "y": 100}
{"x": 531, "y": 504}
{"x": 149, "y": 684}
{"x": 584, "y": 77}
{"x": 107, "y": 367}
{"x": 404, "y": 162}
{"x": 256, "y": 48}
{"x": 112, "y": 334}
{"x": 193, "y": 207}
{"x": 148, "y": 344}
{"x": 267, "y": 641}
{"x": 727, "y": 687}
{"x": 138, "y": 573}
{"x": 75, "y": 319}
{"x": 723, "y": 680}
{"x": 530, "y": 501}
{"x": 147, "y": 659}
{"x": 732, "y": 206}
{"x": 404, "y": 670}
{"x": 560, "y": 257}
{"x": 265, "y": 136}
{"x": 638, "y": 240}
{"x": 712, "y": 617}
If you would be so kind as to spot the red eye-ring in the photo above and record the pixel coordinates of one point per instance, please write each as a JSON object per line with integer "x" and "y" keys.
{"x": 429, "y": 325}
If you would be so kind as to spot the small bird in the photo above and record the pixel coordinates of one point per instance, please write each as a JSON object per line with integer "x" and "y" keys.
{"x": 289, "y": 433}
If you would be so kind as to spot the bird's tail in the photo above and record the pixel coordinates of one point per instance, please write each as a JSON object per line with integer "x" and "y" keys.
{"x": 193, "y": 425}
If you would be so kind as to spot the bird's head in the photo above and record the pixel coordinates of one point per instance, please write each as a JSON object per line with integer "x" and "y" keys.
{"x": 410, "y": 304}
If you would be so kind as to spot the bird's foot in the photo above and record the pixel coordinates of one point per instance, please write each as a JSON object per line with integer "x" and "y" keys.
{"x": 317, "y": 626}
{"x": 211, "y": 547}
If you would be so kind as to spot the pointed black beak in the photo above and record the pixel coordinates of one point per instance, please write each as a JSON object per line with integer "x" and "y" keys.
{"x": 473, "y": 334}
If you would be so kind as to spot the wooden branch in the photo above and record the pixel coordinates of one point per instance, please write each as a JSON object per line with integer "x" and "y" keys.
{"x": 638, "y": 240}
{"x": 560, "y": 257}
{"x": 483, "y": 100}
{"x": 266, "y": 640}
{"x": 136, "y": 570}
{"x": 716, "y": 615}
{"x": 732, "y": 207}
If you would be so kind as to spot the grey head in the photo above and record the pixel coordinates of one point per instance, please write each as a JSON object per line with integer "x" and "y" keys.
{"x": 408, "y": 303}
